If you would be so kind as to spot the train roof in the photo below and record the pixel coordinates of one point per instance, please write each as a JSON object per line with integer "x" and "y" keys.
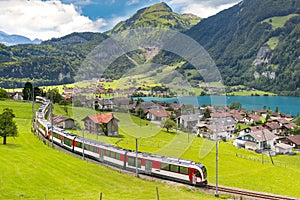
{"x": 98, "y": 144}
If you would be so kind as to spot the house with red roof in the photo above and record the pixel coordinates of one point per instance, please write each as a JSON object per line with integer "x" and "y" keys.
{"x": 102, "y": 123}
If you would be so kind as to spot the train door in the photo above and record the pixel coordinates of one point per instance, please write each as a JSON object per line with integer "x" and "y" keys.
{"x": 192, "y": 176}
{"x": 148, "y": 166}
{"x": 101, "y": 155}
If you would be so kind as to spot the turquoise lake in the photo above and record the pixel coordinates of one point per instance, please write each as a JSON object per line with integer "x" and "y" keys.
{"x": 285, "y": 104}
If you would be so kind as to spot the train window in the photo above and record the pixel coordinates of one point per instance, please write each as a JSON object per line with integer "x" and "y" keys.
{"x": 184, "y": 170}
{"x": 113, "y": 154}
{"x": 79, "y": 144}
{"x": 165, "y": 166}
{"x": 174, "y": 168}
{"x": 118, "y": 156}
{"x": 197, "y": 173}
{"x": 131, "y": 162}
{"x": 107, "y": 153}
{"x": 68, "y": 142}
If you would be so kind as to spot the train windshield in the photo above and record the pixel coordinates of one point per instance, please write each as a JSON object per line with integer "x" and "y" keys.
{"x": 203, "y": 169}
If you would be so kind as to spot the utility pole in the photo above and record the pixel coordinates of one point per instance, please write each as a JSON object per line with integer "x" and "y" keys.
{"x": 136, "y": 157}
{"x": 32, "y": 103}
{"x": 51, "y": 121}
{"x": 83, "y": 144}
{"x": 217, "y": 160}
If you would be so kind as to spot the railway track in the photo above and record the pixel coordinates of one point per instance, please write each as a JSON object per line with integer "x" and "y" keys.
{"x": 249, "y": 194}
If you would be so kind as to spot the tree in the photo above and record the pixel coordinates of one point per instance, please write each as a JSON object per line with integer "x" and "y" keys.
{"x": 298, "y": 121}
{"x": 8, "y": 127}
{"x": 27, "y": 91}
{"x": 140, "y": 113}
{"x": 206, "y": 113}
{"x": 169, "y": 123}
{"x": 54, "y": 95}
{"x": 235, "y": 105}
{"x": 3, "y": 94}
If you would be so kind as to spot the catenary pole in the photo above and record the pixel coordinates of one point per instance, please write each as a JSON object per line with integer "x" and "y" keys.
{"x": 217, "y": 160}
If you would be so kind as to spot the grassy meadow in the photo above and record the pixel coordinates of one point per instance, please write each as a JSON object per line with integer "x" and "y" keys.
{"x": 29, "y": 169}
{"x": 237, "y": 167}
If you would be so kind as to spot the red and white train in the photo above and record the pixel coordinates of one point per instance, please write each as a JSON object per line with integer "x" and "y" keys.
{"x": 184, "y": 171}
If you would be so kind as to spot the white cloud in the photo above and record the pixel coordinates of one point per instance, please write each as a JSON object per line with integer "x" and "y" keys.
{"x": 131, "y": 2}
{"x": 43, "y": 19}
{"x": 202, "y": 8}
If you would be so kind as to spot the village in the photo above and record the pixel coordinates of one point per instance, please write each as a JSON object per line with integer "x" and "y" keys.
{"x": 263, "y": 131}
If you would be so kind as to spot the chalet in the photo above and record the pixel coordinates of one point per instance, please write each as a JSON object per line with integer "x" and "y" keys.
{"x": 102, "y": 123}
{"x": 274, "y": 127}
{"x": 282, "y": 148}
{"x": 258, "y": 140}
{"x": 225, "y": 127}
{"x": 294, "y": 141}
{"x": 122, "y": 102}
{"x": 105, "y": 104}
{"x": 275, "y": 115}
{"x": 16, "y": 95}
{"x": 189, "y": 121}
{"x": 176, "y": 106}
{"x": 157, "y": 115}
{"x": 252, "y": 118}
{"x": 147, "y": 105}
{"x": 63, "y": 122}
{"x": 262, "y": 113}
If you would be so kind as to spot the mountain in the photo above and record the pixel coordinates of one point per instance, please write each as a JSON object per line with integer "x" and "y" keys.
{"x": 55, "y": 61}
{"x": 158, "y": 15}
{"x": 16, "y": 39}
{"x": 255, "y": 43}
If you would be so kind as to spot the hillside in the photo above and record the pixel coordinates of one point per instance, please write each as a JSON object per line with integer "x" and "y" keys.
{"x": 31, "y": 169}
{"x": 255, "y": 43}
{"x": 57, "y": 61}
{"x": 158, "y": 15}
{"x": 52, "y": 62}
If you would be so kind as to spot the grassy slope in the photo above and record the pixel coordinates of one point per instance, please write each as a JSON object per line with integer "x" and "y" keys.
{"x": 30, "y": 169}
{"x": 27, "y": 170}
{"x": 234, "y": 171}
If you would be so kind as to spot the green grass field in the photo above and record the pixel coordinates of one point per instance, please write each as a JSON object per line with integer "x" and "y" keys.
{"x": 243, "y": 171}
{"x": 30, "y": 168}
{"x": 278, "y": 22}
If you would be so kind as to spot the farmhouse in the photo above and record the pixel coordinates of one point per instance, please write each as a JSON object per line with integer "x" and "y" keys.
{"x": 258, "y": 140}
{"x": 63, "y": 122}
{"x": 294, "y": 141}
{"x": 102, "y": 123}
{"x": 157, "y": 115}
{"x": 283, "y": 148}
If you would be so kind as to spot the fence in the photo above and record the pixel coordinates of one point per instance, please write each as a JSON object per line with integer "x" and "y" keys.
{"x": 264, "y": 160}
{"x": 100, "y": 195}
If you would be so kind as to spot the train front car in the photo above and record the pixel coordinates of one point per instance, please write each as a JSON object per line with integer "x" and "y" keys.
{"x": 184, "y": 171}
{"x": 198, "y": 174}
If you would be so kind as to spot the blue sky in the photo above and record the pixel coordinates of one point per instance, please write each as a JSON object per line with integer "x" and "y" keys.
{"x": 45, "y": 19}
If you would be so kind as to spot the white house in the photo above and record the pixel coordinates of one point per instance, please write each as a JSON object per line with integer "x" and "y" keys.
{"x": 257, "y": 140}
{"x": 283, "y": 148}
